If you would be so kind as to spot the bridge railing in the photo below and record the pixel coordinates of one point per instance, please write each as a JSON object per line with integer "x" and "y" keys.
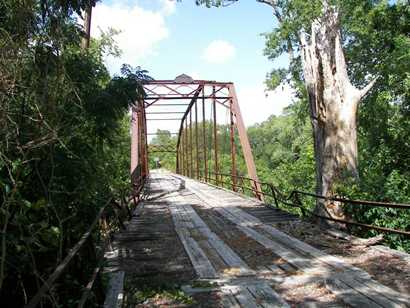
{"x": 137, "y": 183}
{"x": 107, "y": 218}
{"x": 296, "y": 199}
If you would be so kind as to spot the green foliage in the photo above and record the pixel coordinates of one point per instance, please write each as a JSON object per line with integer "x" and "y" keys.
{"x": 275, "y": 78}
{"x": 167, "y": 160}
{"x": 384, "y": 158}
{"x": 64, "y": 147}
{"x": 376, "y": 42}
{"x": 283, "y": 151}
{"x": 154, "y": 290}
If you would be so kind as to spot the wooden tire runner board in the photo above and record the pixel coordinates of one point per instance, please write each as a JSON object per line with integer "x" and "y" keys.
{"x": 240, "y": 256}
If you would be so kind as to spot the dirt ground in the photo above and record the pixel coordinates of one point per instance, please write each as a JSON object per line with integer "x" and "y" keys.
{"x": 384, "y": 265}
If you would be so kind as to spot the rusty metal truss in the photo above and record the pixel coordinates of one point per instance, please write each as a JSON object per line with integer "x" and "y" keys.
{"x": 188, "y": 102}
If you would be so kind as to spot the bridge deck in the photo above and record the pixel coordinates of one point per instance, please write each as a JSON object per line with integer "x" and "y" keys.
{"x": 225, "y": 252}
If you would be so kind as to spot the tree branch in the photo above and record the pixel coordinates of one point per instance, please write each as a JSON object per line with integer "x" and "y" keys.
{"x": 271, "y": 3}
{"x": 367, "y": 88}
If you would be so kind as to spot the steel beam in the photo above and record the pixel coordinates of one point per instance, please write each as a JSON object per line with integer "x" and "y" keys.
{"x": 191, "y": 167}
{"x": 233, "y": 149}
{"x": 134, "y": 139}
{"x": 246, "y": 147}
{"x": 216, "y": 169}
{"x": 196, "y": 141}
{"x": 205, "y": 143}
{"x": 188, "y": 154}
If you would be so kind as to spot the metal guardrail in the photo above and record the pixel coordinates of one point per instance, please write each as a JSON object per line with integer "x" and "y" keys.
{"x": 137, "y": 181}
{"x": 294, "y": 199}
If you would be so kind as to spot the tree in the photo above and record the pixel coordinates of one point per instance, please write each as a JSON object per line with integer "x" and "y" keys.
{"x": 311, "y": 33}
{"x": 64, "y": 148}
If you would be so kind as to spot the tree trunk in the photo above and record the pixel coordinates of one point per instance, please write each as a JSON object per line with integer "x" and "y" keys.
{"x": 85, "y": 42}
{"x": 333, "y": 103}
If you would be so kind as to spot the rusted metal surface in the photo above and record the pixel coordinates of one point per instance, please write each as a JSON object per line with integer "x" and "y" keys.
{"x": 134, "y": 139}
{"x": 216, "y": 169}
{"x": 180, "y": 148}
{"x": 294, "y": 199}
{"x": 204, "y": 144}
{"x": 144, "y": 139}
{"x": 139, "y": 142}
{"x": 186, "y": 147}
{"x": 233, "y": 150}
{"x": 194, "y": 153}
{"x": 243, "y": 137}
{"x": 196, "y": 142}
{"x": 191, "y": 168}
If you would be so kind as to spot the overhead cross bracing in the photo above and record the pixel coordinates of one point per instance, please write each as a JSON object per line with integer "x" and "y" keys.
{"x": 191, "y": 110}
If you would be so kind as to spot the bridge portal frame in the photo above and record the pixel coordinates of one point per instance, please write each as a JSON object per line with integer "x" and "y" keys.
{"x": 183, "y": 88}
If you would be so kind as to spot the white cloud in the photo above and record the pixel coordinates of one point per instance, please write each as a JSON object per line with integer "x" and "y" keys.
{"x": 141, "y": 29}
{"x": 219, "y": 51}
{"x": 257, "y": 104}
{"x": 168, "y": 6}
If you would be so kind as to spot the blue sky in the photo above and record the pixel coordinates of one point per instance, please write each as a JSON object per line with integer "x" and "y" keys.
{"x": 192, "y": 28}
{"x": 225, "y": 44}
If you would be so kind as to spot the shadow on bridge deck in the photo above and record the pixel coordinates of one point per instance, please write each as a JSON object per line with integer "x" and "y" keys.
{"x": 222, "y": 250}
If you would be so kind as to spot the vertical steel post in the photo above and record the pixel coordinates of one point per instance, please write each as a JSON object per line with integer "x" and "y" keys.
{"x": 186, "y": 151}
{"x": 216, "y": 170}
{"x": 210, "y": 145}
{"x": 233, "y": 150}
{"x": 177, "y": 160}
{"x": 196, "y": 141}
{"x": 183, "y": 152}
{"x": 186, "y": 147}
{"x": 140, "y": 139}
{"x": 191, "y": 169}
{"x": 181, "y": 146}
{"x": 205, "y": 145}
{"x": 145, "y": 138}
{"x": 134, "y": 139}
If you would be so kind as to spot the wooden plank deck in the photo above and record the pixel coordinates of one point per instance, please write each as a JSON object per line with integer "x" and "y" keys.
{"x": 232, "y": 248}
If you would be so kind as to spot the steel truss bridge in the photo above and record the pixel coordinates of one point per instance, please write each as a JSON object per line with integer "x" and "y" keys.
{"x": 197, "y": 228}
{"x": 189, "y": 102}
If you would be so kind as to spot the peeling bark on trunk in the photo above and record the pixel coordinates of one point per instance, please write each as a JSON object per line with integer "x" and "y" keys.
{"x": 333, "y": 103}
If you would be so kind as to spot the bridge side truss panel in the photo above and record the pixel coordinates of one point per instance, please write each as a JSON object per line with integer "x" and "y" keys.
{"x": 198, "y": 139}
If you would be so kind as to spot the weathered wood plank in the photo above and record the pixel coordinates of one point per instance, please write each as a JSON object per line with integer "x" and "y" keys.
{"x": 199, "y": 260}
{"x": 229, "y": 301}
{"x": 349, "y": 295}
{"x": 275, "y": 269}
{"x": 266, "y": 296}
{"x": 226, "y": 253}
{"x": 380, "y": 294}
{"x": 246, "y": 222}
{"x": 299, "y": 261}
{"x": 241, "y": 294}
